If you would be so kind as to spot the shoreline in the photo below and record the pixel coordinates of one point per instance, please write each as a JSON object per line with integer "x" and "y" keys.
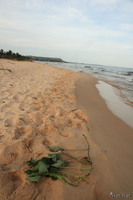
{"x": 115, "y": 103}
{"x": 113, "y": 138}
{"x": 119, "y": 92}
{"x": 43, "y": 105}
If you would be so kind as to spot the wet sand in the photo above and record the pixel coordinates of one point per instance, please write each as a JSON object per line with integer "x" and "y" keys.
{"x": 41, "y": 105}
{"x": 115, "y": 103}
{"x": 112, "y": 140}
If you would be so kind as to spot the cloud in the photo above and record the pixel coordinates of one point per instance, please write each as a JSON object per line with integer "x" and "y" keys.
{"x": 105, "y": 2}
{"x": 127, "y": 26}
{"x": 90, "y": 26}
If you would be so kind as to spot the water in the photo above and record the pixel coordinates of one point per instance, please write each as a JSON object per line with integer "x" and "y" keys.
{"x": 119, "y": 77}
{"x": 115, "y": 103}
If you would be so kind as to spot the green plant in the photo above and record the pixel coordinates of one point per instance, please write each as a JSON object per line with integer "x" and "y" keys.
{"x": 47, "y": 166}
{"x": 52, "y": 165}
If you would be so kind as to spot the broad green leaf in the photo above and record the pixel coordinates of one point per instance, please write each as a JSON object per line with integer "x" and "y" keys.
{"x": 34, "y": 179}
{"x": 53, "y": 170}
{"x": 43, "y": 169}
{"x": 35, "y": 174}
{"x": 54, "y": 149}
{"x": 54, "y": 178}
{"x": 54, "y": 157}
{"x": 59, "y": 164}
{"x": 31, "y": 162}
{"x": 36, "y": 169}
{"x": 40, "y": 162}
{"x": 46, "y": 160}
{"x": 28, "y": 171}
{"x": 58, "y": 156}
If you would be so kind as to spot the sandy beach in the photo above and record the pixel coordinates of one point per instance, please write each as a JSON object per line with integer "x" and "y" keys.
{"x": 42, "y": 106}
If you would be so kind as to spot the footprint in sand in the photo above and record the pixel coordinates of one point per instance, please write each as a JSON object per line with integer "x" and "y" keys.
{"x": 23, "y": 127}
{"x": 16, "y": 97}
{"x": 38, "y": 122}
{"x": 8, "y": 155}
{"x": 38, "y": 148}
{"x": 18, "y": 133}
{"x": 4, "y": 108}
{"x": 65, "y": 133}
{"x": 8, "y": 122}
{"x": 13, "y": 184}
{"x": 37, "y": 106}
{"x": 7, "y": 106}
{"x": 8, "y": 114}
{"x": 11, "y": 104}
{"x": 24, "y": 120}
{"x": 7, "y": 187}
{"x": 48, "y": 142}
{"x": 23, "y": 107}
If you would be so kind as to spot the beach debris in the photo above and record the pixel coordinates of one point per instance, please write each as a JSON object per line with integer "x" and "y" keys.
{"x": 47, "y": 166}
{"x": 6, "y": 69}
{"x": 52, "y": 165}
{"x": 54, "y": 149}
{"x": 84, "y": 160}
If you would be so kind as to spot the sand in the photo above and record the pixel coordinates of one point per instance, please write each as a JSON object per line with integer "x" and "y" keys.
{"x": 41, "y": 105}
{"x": 111, "y": 142}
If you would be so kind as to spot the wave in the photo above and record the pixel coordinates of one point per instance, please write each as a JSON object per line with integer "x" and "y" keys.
{"x": 130, "y": 80}
{"x": 130, "y": 73}
{"x": 87, "y": 67}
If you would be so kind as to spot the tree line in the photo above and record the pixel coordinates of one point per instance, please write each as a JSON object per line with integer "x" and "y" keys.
{"x": 10, "y": 55}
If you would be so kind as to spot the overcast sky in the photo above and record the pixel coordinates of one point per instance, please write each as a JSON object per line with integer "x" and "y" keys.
{"x": 86, "y": 31}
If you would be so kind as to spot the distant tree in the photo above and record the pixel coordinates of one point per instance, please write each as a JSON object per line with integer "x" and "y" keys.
{"x": 18, "y": 56}
{"x": 14, "y": 55}
{"x": 1, "y": 53}
{"x": 10, "y": 55}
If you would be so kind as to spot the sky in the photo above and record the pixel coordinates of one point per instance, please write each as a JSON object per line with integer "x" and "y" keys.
{"x": 85, "y": 31}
